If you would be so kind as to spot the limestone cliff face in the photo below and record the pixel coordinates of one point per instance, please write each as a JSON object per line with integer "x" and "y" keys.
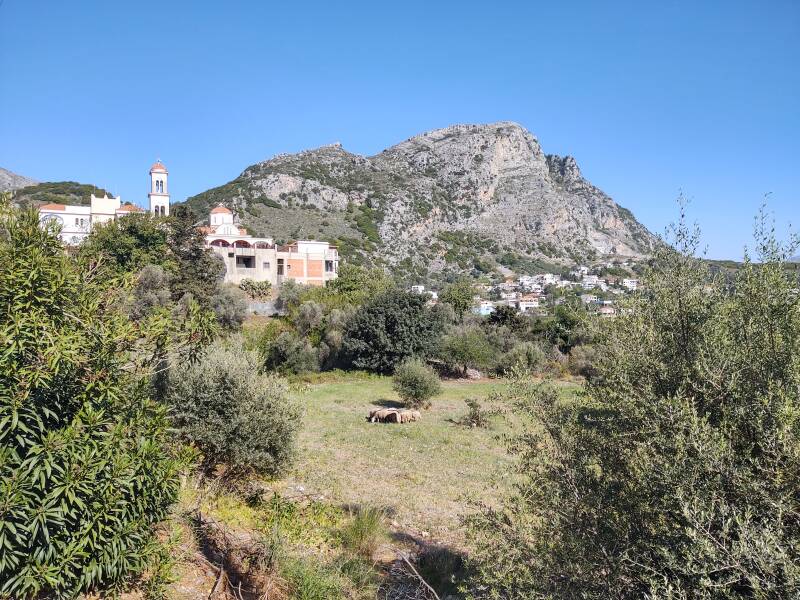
{"x": 11, "y": 181}
{"x": 464, "y": 197}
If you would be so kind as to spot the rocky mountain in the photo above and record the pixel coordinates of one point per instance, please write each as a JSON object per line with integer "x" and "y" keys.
{"x": 480, "y": 198}
{"x": 11, "y": 181}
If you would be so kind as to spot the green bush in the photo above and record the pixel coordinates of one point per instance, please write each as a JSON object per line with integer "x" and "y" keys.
{"x": 675, "y": 475}
{"x": 84, "y": 468}
{"x": 151, "y": 291}
{"x": 527, "y": 356}
{"x": 582, "y": 360}
{"x": 290, "y": 353}
{"x": 467, "y": 347}
{"x": 230, "y": 305}
{"x": 389, "y": 329}
{"x": 416, "y": 383}
{"x": 234, "y": 414}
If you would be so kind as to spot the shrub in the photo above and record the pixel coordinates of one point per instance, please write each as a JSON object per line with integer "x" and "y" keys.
{"x": 459, "y": 295}
{"x": 582, "y": 360}
{"x": 389, "y": 329}
{"x": 290, "y": 353}
{"x": 256, "y": 290}
{"x": 150, "y": 291}
{"x": 527, "y": 356}
{"x": 85, "y": 470}
{"x": 230, "y": 306}
{"x": 676, "y": 474}
{"x": 476, "y": 416}
{"x": 467, "y": 347}
{"x": 309, "y": 317}
{"x": 290, "y": 295}
{"x": 234, "y": 414}
{"x": 416, "y": 383}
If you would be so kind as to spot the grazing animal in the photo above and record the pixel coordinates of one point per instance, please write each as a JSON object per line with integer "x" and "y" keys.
{"x": 393, "y": 415}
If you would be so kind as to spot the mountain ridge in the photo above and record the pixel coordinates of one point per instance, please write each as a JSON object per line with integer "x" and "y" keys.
{"x": 10, "y": 181}
{"x": 479, "y": 198}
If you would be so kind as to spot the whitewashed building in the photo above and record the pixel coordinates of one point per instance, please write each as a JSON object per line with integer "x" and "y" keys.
{"x": 309, "y": 262}
{"x": 76, "y": 221}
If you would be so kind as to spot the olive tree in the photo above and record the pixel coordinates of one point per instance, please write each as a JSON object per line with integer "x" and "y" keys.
{"x": 676, "y": 473}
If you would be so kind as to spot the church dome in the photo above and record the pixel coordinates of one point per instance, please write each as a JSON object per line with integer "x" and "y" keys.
{"x": 158, "y": 167}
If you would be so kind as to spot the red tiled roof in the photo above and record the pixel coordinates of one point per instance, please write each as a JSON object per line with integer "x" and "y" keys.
{"x": 242, "y": 231}
{"x": 205, "y": 229}
{"x": 159, "y": 167}
{"x": 220, "y": 209}
{"x": 52, "y": 206}
{"x": 128, "y": 207}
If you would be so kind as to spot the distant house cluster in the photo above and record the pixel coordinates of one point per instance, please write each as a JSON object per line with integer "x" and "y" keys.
{"x": 246, "y": 257}
{"x": 537, "y": 294}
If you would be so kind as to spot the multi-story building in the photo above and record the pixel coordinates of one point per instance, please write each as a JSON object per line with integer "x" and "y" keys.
{"x": 309, "y": 262}
{"x": 76, "y": 221}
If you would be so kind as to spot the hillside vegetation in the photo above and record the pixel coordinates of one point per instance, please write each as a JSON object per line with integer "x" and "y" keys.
{"x": 464, "y": 199}
{"x": 57, "y": 192}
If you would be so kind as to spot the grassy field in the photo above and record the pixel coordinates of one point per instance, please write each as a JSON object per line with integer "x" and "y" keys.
{"x": 423, "y": 474}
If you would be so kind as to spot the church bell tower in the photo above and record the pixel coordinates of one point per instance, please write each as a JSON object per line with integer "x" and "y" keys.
{"x": 159, "y": 194}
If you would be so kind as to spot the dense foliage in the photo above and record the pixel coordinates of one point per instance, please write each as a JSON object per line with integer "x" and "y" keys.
{"x": 416, "y": 383}
{"x": 233, "y": 413}
{"x": 677, "y": 475}
{"x": 459, "y": 295}
{"x": 174, "y": 243}
{"x": 85, "y": 469}
{"x": 392, "y": 327}
{"x": 58, "y": 192}
{"x": 229, "y": 304}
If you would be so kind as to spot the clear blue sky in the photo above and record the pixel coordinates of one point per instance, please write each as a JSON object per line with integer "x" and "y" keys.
{"x": 650, "y": 97}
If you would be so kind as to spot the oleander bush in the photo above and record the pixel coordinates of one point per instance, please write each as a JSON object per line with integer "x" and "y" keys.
{"x": 85, "y": 467}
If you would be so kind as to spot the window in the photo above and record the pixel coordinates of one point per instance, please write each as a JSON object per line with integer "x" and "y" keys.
{"x": 76, "y": 221}
{"x": 266, "y": 265}
{"x": 329, "y": 267}
{"x": 245, "y": 262}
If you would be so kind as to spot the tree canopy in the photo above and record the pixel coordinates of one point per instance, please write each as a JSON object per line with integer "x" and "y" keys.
{"x": 676, "y": 474}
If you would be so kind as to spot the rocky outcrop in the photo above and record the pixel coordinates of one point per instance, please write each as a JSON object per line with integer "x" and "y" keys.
{"x": 11, "y": 181}
{"x": 462, "y": 198}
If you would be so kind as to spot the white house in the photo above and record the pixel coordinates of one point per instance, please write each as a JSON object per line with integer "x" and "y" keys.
{"x": 630, "y": 284}
{"x": 590, "y": 282}
{"x": 309, "y": 262}
{"x": 76, "y": 221}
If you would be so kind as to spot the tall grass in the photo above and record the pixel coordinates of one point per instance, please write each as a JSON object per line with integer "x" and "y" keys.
{"x": 362, "y": 534}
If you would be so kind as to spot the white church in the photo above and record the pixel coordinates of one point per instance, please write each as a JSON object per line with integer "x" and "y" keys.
{"x": 77, "y": 221}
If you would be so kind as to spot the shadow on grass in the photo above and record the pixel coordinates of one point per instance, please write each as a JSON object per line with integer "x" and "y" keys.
{"x": 383, "y": 402}
{"x": 442, "y": 567}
